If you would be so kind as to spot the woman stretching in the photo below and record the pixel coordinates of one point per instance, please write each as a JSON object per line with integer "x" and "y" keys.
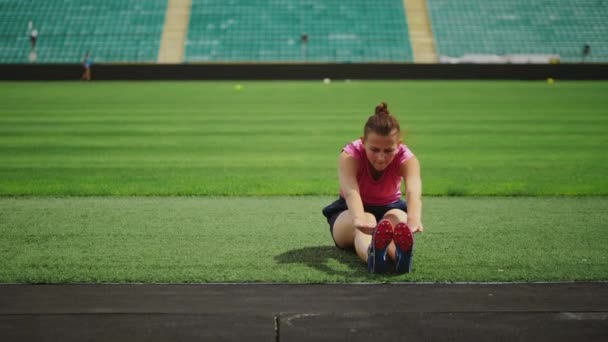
{"x": 370, "y": 216}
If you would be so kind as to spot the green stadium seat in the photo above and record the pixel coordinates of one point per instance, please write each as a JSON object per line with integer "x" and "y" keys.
{"x": 501, "y": 27}
{"x": 113, "y": 30}
{"x": 270, "y": 31}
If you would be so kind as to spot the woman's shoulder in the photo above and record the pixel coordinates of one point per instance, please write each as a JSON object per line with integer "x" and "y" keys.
{"x": 403, "y": 153}
{"x": 354, "y": 148}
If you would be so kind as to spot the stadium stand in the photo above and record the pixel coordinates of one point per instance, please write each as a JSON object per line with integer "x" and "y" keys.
{"x": 499, "y": 27}
{"x": 120, "y": 31}
{"x": 271, "y": 31}
{"x": 113, "y": 30}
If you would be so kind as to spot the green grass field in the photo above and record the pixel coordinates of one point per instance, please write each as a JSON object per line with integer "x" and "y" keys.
{"x": 184, "y": 181}
{"x": 205, "y": 239}
{"x": 283, "y": 138}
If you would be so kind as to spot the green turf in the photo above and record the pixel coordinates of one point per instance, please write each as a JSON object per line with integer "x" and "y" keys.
{"x": 123, "y": 139}
{"x": 283, "y": 138}
{"x": 285, "y": 239}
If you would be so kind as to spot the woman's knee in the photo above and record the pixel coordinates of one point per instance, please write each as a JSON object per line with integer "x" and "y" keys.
{"x": 370, "y": 218}
{"x": 343, "y": 230}
{"x": 396, "y": 216}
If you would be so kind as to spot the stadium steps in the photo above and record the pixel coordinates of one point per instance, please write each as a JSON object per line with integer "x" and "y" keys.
{"x": 421, "y": 33}
{"x": 175, "y": 31}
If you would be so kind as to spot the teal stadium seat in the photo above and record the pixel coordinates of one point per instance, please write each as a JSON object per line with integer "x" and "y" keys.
{"x": 115, "y": 31}
{"x": 270, "y": 31}
{"x": 502, "y": 27}
{"x": 120, "y": 31}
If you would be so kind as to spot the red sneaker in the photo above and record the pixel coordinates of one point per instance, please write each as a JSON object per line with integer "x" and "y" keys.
{"x": 404, "y": 243}
{"x": 377, "y": 253}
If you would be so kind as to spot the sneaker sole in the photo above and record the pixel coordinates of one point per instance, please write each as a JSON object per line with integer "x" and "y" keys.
{"x": 404, "y": 243}
{"x": 381, "y": 238}
{"x": 383, "y": 235}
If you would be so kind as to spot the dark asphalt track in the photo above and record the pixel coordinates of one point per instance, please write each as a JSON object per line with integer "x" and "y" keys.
{"x": 280, "y": 312}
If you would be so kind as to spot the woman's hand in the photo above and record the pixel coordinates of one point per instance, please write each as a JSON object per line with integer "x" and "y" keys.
{"x": 364, "y": 226}
{"x": 415, "y": 225}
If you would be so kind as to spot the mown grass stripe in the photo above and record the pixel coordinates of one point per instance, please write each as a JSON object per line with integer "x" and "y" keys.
{"x": 283, "y": 138}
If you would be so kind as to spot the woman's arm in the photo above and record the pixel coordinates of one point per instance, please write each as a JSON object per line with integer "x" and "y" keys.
{"x": 410, "y": 171}
{"x": 347, "y": 172}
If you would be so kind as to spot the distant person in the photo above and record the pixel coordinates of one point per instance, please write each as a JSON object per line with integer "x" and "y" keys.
{"x": 304, "y": 43}
{"x": 586, "y": 52}
{"x": 86, "y": 63}
{"x": 33, "y": 38}
{"x": 370, "y": 216}
{"x": 33, "y": 34}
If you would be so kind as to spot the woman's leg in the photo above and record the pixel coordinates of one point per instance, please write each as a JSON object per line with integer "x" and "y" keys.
{"x": 347, "y": 236}
{"x": 394, "y": 216}
{"x": 362, "y": 242}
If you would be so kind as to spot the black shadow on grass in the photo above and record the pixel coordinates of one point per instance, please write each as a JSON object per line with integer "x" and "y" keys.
{"x": 317, "y": 257}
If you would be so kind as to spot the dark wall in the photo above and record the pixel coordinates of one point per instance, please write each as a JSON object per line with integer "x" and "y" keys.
{"x": 306, "y": 71}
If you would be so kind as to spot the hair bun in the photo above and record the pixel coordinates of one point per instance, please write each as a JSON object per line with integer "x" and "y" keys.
{"x": 382, "y": 109}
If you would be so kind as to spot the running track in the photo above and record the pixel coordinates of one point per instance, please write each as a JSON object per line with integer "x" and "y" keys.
{"x": 291, "y": 312}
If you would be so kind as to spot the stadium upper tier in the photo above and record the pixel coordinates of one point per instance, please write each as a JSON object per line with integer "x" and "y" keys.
{"x": 113, "y": 30}
{"x": 121, "y": 31}
{"x": 271, "y": 30}
{"x": 503, "y": 27}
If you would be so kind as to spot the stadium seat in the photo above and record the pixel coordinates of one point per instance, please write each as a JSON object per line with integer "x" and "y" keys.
{"x": 270, "y": 31}
{"x": 496, "y": 27}
{"x": 118, "y": 31}
{"x": 113, "y": 30}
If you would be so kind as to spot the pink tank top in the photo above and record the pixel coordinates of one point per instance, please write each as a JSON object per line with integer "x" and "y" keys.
{"x": 385, "y": 190}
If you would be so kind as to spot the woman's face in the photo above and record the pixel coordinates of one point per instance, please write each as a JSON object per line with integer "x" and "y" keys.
{"x": 380, "y": 150}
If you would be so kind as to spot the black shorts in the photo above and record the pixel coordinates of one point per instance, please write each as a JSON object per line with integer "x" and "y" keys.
{"x": 332, "y": 211}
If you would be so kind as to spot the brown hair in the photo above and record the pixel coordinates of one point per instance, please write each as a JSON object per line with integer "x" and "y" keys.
{"x": 382, "y": 122}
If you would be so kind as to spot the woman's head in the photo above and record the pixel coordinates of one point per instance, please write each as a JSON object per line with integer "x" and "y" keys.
{"x": 381, "y": 137}
{"x": 382, "y": 122}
